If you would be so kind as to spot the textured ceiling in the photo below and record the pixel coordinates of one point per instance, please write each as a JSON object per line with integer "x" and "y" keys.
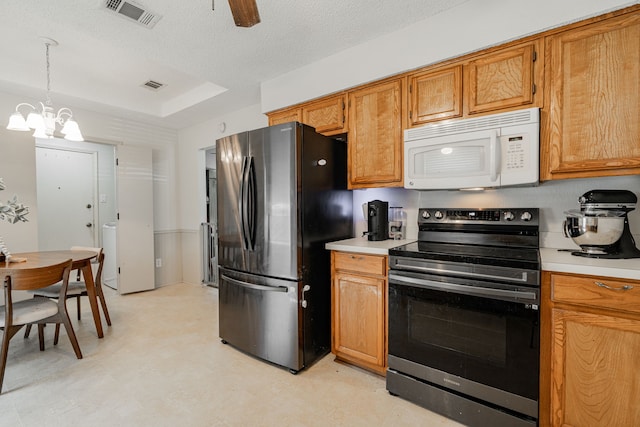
{"x": 209, "y": 65}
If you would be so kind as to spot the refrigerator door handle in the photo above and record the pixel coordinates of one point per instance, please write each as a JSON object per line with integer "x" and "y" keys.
{"x": 251, "y": 204}
{"x": 242, "y": 202}
{"x": 255, "y": 286}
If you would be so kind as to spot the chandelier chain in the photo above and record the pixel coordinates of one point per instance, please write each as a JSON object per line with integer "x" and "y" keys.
{"x": 48, "y": 76}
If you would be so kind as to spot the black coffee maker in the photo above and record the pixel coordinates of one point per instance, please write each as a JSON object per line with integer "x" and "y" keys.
{"x": 377, "y": 220}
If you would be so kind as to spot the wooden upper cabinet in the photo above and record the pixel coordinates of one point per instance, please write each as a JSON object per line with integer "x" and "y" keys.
{"x": 375, "y": 135}
{"x": 592, "y": 99}
{"x": 435, "y": 95}
{"x": 285, "y": 116}
{"x": 499, "y": 80}
{"x": 327, "y": 115}
{"x": 502, "y": 79}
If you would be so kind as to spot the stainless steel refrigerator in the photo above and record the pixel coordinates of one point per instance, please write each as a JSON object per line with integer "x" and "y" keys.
{"x": 282, "y": 194}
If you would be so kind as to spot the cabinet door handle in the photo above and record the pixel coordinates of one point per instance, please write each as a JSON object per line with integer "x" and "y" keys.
{"x": 622, "y": 288}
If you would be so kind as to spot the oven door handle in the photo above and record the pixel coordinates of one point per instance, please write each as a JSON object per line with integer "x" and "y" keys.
{"x": 523, "y": 278}
{"x": 254, "y": 286}
{"x": 464, "y": 289}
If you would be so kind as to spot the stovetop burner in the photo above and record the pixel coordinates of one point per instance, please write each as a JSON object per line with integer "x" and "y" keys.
{"x": 501, "y": 237}
{"x": 489, "y": 255}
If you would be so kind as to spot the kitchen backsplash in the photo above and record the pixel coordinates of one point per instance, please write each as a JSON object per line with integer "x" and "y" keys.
{"x": 553, "y": 198}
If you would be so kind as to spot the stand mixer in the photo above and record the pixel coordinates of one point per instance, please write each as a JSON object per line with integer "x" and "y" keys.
{"x": 601, "y": 226}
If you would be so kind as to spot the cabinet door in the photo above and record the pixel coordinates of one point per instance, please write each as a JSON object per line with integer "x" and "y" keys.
{"x": 594, "y": 368}
{"x": 327, "y": 116}
{"x": 359, "y": 319}
{"x": 502, "y": 79}
{"x": 592, "y": 99}
{"x": 435, "y": 95}
{"x": 375, "y": 136}
{"x": 285, "y": 116}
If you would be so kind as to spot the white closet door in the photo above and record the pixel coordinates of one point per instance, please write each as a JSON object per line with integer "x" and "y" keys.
{"x": 135, "y": 248}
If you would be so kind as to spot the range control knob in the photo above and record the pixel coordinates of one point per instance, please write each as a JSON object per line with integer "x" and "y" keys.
{"x": 508, "y": 216}
{"x": 426, "y": 215}
{"x": 526, "y": 216}
{"x": 438, "y": 215}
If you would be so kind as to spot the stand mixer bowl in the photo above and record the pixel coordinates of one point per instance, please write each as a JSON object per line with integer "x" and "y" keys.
{"x": 594, "y": 230}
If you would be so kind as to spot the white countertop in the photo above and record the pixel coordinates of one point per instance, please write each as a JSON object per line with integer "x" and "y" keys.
{"x": 364, "y": 246}
{"x": 564, "y": 262}
{"x": 552, "y": 259}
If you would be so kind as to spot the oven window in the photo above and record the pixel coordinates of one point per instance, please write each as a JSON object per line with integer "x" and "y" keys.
{"x": 468, "y": 333}
{"x": 488, "y": 341}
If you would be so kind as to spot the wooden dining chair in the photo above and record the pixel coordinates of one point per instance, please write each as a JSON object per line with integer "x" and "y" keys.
{"x": 36, "y": 311}
{"x": 77, "y": 289}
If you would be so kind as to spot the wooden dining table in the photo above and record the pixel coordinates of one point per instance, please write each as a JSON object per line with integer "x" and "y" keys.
{"x": 80, "y": 259}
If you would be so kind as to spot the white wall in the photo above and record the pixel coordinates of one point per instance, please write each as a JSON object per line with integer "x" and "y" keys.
{"x": 472, "y": 26}
{"x": 17, "y": 168}
{"x": 193, "y": 142}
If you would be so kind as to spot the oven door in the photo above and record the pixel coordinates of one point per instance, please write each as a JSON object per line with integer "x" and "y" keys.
{"x": 472, "y": 337}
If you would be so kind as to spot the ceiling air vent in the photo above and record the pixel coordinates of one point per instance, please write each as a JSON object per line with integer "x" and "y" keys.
{"x": 134, "y": 11}
{"x": 153, "y": 85}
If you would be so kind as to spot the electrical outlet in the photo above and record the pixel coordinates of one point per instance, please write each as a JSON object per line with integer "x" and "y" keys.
{"x": 158, "y": 262}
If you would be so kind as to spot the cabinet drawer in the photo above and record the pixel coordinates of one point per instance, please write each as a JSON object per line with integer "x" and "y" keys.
{"x": 369, "y": 264}
{"x": 603, "y": 292}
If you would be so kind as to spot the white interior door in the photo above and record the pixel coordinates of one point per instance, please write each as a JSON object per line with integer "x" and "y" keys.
{"x": 66, "y": 182}
{"x": 135, "y": 248}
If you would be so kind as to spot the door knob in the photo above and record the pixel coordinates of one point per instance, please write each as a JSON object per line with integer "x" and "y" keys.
{"x": 89, "y": 225}
{"x": 89, "y": 206}
{"x": 304, "y": 301}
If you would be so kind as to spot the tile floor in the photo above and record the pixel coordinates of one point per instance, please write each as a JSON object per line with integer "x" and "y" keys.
{"x": 162, "y": 364}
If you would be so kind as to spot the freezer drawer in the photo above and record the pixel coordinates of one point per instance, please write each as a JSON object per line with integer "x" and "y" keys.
{"x": 260, "y": 315}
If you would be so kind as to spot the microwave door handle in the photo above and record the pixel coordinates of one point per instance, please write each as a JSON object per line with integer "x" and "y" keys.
{"x": 494, "y": 155}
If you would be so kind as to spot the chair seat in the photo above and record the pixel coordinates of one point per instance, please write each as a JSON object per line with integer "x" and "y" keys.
{"x": 30, "y": 310}
{"x": 53, "y": 291}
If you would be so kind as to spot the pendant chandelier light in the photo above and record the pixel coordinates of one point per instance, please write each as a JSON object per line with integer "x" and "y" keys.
{"x": 44, "y": 119}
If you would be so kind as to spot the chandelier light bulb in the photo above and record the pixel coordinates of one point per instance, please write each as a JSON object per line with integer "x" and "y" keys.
{"x": 35, "y": 120}
{"x": 17, "y": 122}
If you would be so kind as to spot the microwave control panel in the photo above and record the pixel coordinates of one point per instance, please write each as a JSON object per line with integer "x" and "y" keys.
{"x": 515, "y": 149}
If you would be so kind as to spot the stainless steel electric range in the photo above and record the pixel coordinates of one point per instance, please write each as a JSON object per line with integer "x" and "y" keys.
{"x": 464, "y": 322}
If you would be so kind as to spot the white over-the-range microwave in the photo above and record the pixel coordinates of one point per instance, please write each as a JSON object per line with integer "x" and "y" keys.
{"x": 490, "y": 151}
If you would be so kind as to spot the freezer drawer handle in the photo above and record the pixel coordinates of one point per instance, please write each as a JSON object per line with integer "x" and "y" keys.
{"x": 254, "y": 286}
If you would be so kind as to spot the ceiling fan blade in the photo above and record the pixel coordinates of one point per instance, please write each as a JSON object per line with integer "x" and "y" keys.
{"x": 245, "y": 12}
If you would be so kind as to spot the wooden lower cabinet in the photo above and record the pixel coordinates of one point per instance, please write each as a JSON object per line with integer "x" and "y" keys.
{"x": 359, "y": 310}
{"x": 590, "y": 361}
